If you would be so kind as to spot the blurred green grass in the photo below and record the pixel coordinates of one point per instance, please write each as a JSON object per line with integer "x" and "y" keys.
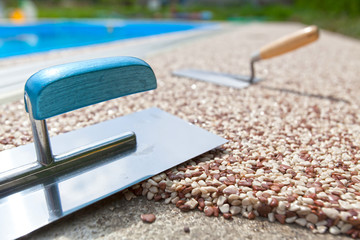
{"x": 342, "y": 16}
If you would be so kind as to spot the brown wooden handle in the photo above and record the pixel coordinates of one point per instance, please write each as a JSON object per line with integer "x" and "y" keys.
{"x": 289, "y": 43}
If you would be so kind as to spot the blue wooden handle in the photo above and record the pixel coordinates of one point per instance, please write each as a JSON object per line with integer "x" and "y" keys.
{"x": 59, "y": 89}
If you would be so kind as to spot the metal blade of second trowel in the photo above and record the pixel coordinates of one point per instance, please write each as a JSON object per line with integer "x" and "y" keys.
{"x": 163, "y": 141}
{"x": 224, "y": 79}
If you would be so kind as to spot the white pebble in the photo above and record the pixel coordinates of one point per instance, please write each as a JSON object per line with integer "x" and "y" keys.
{"x": 195, "y": 185}
{"x": 294, "y": 207}
{"x": 242, "y": 196}
{"x": 346, "y": 227}
{"x": 173, "y": 195}
{"x": 246, "y": 189}
{"x": 233, "y": 197}
{"x": 150, "y": 195}
{"x": 301, "y": 221}
{"x": 188, "y": 181}
{"x": 331, "y": 212}
{"x": 231, "y": 190}
{"x": 281, "y": 212}
{"x": 202, "y": 183}
{"x": 162, "y": 175}
{"x": 234, "y": 210}
{"x": 210, "y": 189}
{"x": 157, "y": 178}
{"x": 321, "y": 229}
{"x": 129, "y": 195}
{"x": 322, "y": 195}
{"x": 334, "y": 230}
{"x": 175, "y": 200}
{"x": 205, "y": 195}
{"x": 246, "y": 202}
{"x": 236, "y": 203}
{"x": 178, "y": 187}
{"x": 221, "y": 200}
{"x": 303, "y": 210}
{"x": 203, "y": 176}
{"x": 321, "y": 223}
{"x": 340, "y": 224}
{"x": 312, "y": 218}
{"x": 348, "y": 196}
{"x": 309, "y": 201}
{"x": 345, "y": 204}
{"x": 271, "y": 217}
{"x": 203, "y": 190}
{"x": 224, "y": 208}
{"x": 146, "y": 185}
{"x": 195, "y": 191}
{"x": 310, "y": 190}
{"x": 192, "y": 203}
{"x": 152, "y": 182}
{"x": 154, "y": 189}
{"x": 298, "y": 191}
{"x": 168, "y": 200}
{"x": 253, "y": 200}
{"x": 290, "y": 219}
{"x": 250, "y": 194}
{"x": 249, "y": 208}
{"x": 221, "y": 179}
{"x": 282, "y": 205}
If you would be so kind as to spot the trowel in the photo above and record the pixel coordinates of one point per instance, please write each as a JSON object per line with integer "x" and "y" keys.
{"x": 44, "y": 181}
{"x": 276, "y": 48}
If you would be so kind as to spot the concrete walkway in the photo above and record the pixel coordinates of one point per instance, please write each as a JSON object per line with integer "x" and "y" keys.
{"x": 117, "y": 218}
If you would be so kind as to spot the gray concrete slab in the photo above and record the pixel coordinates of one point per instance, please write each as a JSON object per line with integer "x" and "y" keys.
{"x": 117, "y": 218}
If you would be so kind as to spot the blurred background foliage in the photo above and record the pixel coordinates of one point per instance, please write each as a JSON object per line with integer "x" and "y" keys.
{"x": 341, "y": 16}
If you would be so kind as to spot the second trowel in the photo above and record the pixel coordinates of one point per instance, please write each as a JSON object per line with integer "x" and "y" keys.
{"x": 278, "y": 47}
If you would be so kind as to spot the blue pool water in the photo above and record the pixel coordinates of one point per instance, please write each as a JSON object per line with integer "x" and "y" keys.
{"x": 44, "y": 36}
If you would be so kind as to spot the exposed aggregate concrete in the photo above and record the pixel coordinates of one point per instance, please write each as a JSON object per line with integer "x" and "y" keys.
{"x": 294, "y": 138}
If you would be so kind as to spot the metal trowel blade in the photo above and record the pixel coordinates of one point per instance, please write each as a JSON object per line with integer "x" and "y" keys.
{"x": 163, "y": 141}
{"x": 224, "y": 79}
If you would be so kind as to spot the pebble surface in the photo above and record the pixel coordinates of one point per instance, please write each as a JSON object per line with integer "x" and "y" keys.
{"x": 294, "y": 139}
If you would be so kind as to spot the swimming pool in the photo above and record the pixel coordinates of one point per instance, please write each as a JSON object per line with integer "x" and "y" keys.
{"x": 44, "y": 36}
